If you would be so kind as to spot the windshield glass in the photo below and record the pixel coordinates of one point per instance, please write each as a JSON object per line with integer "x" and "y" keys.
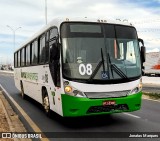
{"x": 99, "y": 52}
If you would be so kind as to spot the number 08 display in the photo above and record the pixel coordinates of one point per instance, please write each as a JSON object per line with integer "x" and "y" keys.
{"x": 85, "y": 69}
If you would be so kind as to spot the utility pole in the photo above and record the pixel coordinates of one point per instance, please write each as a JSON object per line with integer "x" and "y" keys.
{"x": 14, "y": 31}
{"x": 46, "y": 11}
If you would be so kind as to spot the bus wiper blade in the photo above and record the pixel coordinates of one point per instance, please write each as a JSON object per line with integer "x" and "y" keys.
{"x": 118, "y": 71}
{"x": 97, "y": 67}
{"x": 95, "y": 71}
{"x": 109, "y": 61}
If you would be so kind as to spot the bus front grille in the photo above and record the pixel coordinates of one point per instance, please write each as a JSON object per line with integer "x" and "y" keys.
{"x": 113, "y": 94}
{"x": 109, "y": 108}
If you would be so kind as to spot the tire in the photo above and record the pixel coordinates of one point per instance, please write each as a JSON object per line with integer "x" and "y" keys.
{"x": 46, "y": 104}
{"x": 22, "y": 91}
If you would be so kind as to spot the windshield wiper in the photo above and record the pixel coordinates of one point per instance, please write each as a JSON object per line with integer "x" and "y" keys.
{"x": 112, "y": 67}
{"x": 116, "y": 69}
{"x": 97, "y": 67}
{"x": 109, "y": 61}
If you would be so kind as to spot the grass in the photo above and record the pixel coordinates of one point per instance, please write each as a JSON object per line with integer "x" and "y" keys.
{"x": 152, "y": 95}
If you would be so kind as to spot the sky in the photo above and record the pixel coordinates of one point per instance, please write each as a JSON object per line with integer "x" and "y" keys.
{"x": 30, "y": 16}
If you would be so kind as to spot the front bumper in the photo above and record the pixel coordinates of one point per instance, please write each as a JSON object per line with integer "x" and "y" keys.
{"x": 75, "y": 106}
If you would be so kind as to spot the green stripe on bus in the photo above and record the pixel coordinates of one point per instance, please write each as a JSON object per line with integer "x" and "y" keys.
{"x": 75, "y": 106}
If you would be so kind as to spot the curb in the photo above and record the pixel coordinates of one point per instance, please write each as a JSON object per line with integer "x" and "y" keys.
{"x": 6, "y": 114}
{"x": 27, "y": 118}
{"x": 15, "y": 125}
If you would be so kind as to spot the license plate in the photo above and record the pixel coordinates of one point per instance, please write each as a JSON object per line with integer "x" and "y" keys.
{"x": 110, "y": 102}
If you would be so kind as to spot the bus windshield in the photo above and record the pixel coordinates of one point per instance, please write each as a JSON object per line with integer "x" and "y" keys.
{"x": 96, "y": 52}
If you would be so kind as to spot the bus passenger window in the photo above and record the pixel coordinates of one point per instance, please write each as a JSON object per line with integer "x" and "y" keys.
{"x": 22, "y": 57}
{"x": 47, "y": 48}
{"x": 34, "y": 52}
{"x": 15, "y": 60}
{"x": 19, "y": 58}
{"x": 42, "y": 50}
{"x": 28, "y": 55}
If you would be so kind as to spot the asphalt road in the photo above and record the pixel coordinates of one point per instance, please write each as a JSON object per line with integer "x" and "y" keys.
{"x": 153, "y": 88}
{"x": 145, "y": 120}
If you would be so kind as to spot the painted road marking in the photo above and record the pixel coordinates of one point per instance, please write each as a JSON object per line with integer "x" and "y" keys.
{"x": 24, "y": 114}
{"x": 131, "y": 115}
{"x": 151, "y": 99}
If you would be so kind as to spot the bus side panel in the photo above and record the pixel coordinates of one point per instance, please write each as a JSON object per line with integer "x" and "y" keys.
{"x": 17, "y": 77}
{"x": 34, "y": 78}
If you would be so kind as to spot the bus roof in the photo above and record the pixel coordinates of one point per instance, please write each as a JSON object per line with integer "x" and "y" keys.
{"x": 57, "y": 22}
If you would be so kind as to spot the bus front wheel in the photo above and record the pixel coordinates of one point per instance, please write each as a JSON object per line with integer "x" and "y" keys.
{"x": 46, "y": 104}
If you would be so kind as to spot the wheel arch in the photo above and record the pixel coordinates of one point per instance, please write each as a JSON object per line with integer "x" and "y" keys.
{"x": 43, "y": 93}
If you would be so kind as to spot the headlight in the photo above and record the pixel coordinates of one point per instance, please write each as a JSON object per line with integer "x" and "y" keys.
{"x": 136, "y": 89}
{"x": 68, "y": 89}
{"x": 73, "y": 91}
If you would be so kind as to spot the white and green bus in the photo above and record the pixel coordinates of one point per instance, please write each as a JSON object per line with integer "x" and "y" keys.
{"x": 81, "y": 67}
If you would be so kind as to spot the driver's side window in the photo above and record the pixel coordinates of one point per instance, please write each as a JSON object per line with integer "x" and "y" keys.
{"x": 53, "y": 43}
{"x": 54, "y": 56}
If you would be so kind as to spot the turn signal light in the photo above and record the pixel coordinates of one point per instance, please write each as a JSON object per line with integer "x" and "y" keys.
{"x": 68, "y": 89}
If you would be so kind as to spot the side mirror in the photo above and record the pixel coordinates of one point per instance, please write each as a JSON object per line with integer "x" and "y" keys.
{"x": 143, "y": 54}
{"x": 143, "y": 51}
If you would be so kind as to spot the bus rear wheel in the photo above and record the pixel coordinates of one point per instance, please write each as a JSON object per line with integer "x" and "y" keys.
{"x": 46, "y": 104}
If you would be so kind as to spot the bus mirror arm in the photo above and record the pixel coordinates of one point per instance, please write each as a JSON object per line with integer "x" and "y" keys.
{"x": 141, "y": 41}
